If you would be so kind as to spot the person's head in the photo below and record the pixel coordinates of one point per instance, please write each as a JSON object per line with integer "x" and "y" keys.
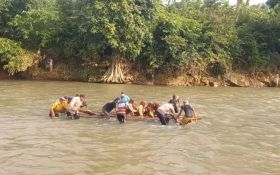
{"x": 61, "y": 99}
{"x": 131, "y": 101}
{"x": 116, "y": 100}
{"x": 135, "y": 103}
{"x": 82, "y": 97}
{"x": 186, "y": 102}
{"x": 175, "y": 97}
{"x": 122, "y": 95}
{"x": 156, "y": 106}
{"x": 143, "y": 103}
{"x": 68, "y": 98}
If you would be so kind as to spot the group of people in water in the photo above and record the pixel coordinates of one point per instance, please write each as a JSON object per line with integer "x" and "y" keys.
{"x": 126, "y": 107}
{"x": 71, "y": 105}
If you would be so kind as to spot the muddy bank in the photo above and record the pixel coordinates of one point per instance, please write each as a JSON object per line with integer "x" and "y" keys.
{"x": 233, "y": 79}
{"x": 4, "y": 75}
{"x": 93, "y": 73}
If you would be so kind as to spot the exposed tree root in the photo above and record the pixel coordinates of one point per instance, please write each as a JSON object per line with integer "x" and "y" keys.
{"x": 115, "y": 73}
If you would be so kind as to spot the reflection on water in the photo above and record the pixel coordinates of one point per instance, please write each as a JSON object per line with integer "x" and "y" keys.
{"x": 240, "y": 132}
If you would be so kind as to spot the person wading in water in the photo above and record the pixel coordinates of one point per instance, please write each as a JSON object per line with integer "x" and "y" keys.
{"x": 121, "y": 108}
{"x": 74, "y": 106}
{"x": 189, "y": 112}
{"x": 175, "y": 101}
{"x": 108, "y": 107}
{"x": 164, "y": 112}
{"x": 58, "y": 107}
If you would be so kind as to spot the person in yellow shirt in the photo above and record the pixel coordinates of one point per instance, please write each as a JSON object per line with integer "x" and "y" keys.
{"x": 58, "y": 107}
{"x": 141, "y": 109}
{"x": 149, "y": 110}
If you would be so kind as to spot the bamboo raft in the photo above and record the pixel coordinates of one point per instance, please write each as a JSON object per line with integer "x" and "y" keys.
{"x": 181, "y": 120}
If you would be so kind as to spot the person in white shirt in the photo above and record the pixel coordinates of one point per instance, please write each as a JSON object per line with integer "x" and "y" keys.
{"x": 74, "y": 106}
{"x": 164, "y": 112}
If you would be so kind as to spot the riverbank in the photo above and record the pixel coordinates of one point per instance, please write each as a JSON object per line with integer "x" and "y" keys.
{"x": 93, "y": 73}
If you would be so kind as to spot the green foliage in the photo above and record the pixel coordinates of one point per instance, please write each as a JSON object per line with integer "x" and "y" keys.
{"x": 8, "y": 10}
{"x": 174, "y": 40}
{"x": 189, "y": 32}
{"x": 38, "y": 25}
{"x": 258, "y": 33}
{"x": 4, "y": 8}
{"x": 118, "y": 25}
{"x": 219, "y": 34}
{"x": 70, "y": 42}
{"x": 13, "y": 58}
{"x": 273, "y": 3}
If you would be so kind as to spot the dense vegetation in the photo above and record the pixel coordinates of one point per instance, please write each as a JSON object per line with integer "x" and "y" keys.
{"x": 208, "y": 34}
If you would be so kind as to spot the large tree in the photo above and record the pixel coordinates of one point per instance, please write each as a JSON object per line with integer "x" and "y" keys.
{"x": 117, "y": 27}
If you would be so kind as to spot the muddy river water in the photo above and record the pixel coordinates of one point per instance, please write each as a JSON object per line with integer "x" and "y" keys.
{"x": 239, "y": 133}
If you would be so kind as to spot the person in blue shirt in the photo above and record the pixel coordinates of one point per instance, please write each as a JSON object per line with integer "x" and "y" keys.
{"x": 124, "y": 98}
{"x": 189, "y": 113}
{"x": 188, "y": 109}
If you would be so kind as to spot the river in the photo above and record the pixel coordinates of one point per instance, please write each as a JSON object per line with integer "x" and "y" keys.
{"x": 239, "y": 133}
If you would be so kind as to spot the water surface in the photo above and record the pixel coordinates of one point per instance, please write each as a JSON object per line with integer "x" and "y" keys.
{"x": 239, "y": 134}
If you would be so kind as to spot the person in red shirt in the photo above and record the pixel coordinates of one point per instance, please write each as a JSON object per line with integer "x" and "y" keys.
{"x": 121, "y": 111}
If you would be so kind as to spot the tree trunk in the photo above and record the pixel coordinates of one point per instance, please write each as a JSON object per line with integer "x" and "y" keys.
{"x": 114, "y": 74}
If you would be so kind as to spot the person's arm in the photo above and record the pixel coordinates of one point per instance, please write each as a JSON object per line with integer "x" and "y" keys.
{"x": 179, "y": 114}
{"x": 52, "y": 109}
{"x": 172, "y": 114}
{"x": 130, "y": 107}
{"x": 172, "y": 111}
{"x": 193, "y": 111}
{"x": 84, "y": 104}
{"x": 141, "y": 110}
{"x": 151, "y": 113}
{"x": 116, "y": 108}
{"x": 52, "y": 112}
{"x": 127, "y": 98}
